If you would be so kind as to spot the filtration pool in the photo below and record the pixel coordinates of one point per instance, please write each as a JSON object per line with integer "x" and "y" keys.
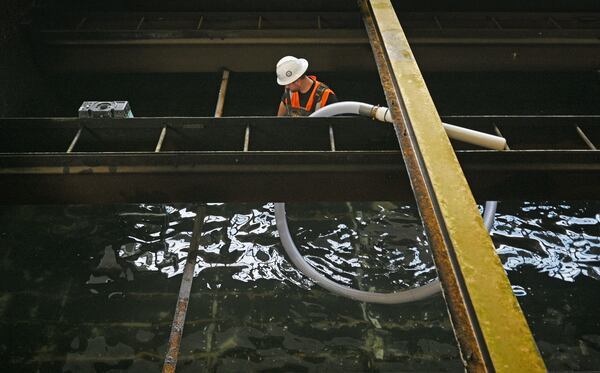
{"x": 94, "y": 287}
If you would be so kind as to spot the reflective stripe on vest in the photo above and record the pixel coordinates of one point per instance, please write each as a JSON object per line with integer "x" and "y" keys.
{"x": 319, "y": 94}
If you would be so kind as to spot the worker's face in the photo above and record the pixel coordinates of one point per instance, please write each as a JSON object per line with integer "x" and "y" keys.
{"x": 294, "y": 86}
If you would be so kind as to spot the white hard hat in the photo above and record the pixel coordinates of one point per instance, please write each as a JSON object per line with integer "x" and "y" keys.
{"x": 289, "y": 69}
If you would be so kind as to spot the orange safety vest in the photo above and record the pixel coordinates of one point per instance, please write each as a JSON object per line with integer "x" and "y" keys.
{"x": 320, "y": 93}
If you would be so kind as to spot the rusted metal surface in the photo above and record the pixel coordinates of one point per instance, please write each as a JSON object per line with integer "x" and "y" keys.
{"x": 492, "y": 332}
{"x": 184, "y": 294}
{"x": 472, "y": 355}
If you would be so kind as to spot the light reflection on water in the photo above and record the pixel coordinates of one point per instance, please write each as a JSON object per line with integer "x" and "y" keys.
{"x": 380, "y": 245}
{"x": 102, "y": 282}
{"x": 562, "y": 241}
{"x": 345, "y": 240}
{"x": 551, "y": 251}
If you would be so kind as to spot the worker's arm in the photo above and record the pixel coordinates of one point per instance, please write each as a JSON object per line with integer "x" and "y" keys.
{"x": 332, "y": 99}
{"x": 281, "y": 111}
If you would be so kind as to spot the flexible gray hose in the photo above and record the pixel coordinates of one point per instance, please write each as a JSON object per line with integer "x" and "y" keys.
{"x": 403, "y": 296}
{"x": 489, "y": 212}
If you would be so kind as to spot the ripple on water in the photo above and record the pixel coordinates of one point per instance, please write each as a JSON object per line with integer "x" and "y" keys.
{"x": 369, "y": 245}
{"x": 560, "y": 239}
{"x": 123, "y": 261}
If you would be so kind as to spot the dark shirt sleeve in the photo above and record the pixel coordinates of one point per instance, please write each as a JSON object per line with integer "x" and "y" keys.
{"x": 283, "y": 96}
{"x": 332, "y": 99}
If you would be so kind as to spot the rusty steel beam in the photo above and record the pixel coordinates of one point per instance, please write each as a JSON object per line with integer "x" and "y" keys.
{"x": 489, "y": 325}
{"x": 184, "y": 294}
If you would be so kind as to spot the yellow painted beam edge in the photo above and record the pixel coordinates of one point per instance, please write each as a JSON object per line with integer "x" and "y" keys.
{"x": 505, "y": 330}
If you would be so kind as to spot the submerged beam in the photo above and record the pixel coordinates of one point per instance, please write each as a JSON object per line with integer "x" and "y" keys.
{"x": 491, "y": 330}
{"x": 184, "y": 294}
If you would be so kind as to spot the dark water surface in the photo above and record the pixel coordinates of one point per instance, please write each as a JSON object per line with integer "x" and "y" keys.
{"x": 93, "y": 288}
{"x": 551, "y": 251}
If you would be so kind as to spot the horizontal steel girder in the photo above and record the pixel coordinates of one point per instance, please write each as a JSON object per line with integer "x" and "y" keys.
{"x": 332, "y": 41}
{"x": 203, "y": 159}
{"x": 284, "y": 176}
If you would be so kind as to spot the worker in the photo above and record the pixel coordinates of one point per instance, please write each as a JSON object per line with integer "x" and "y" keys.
{"x": 303, "y": 94}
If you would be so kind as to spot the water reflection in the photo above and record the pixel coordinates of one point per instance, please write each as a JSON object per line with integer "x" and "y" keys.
{"x": 378, "y": 245}
{"x": 559, "y": 240}
{"x": 369, "y": 245}
{"x": 381, "y": 246}
{"x": 93, "y": 288}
